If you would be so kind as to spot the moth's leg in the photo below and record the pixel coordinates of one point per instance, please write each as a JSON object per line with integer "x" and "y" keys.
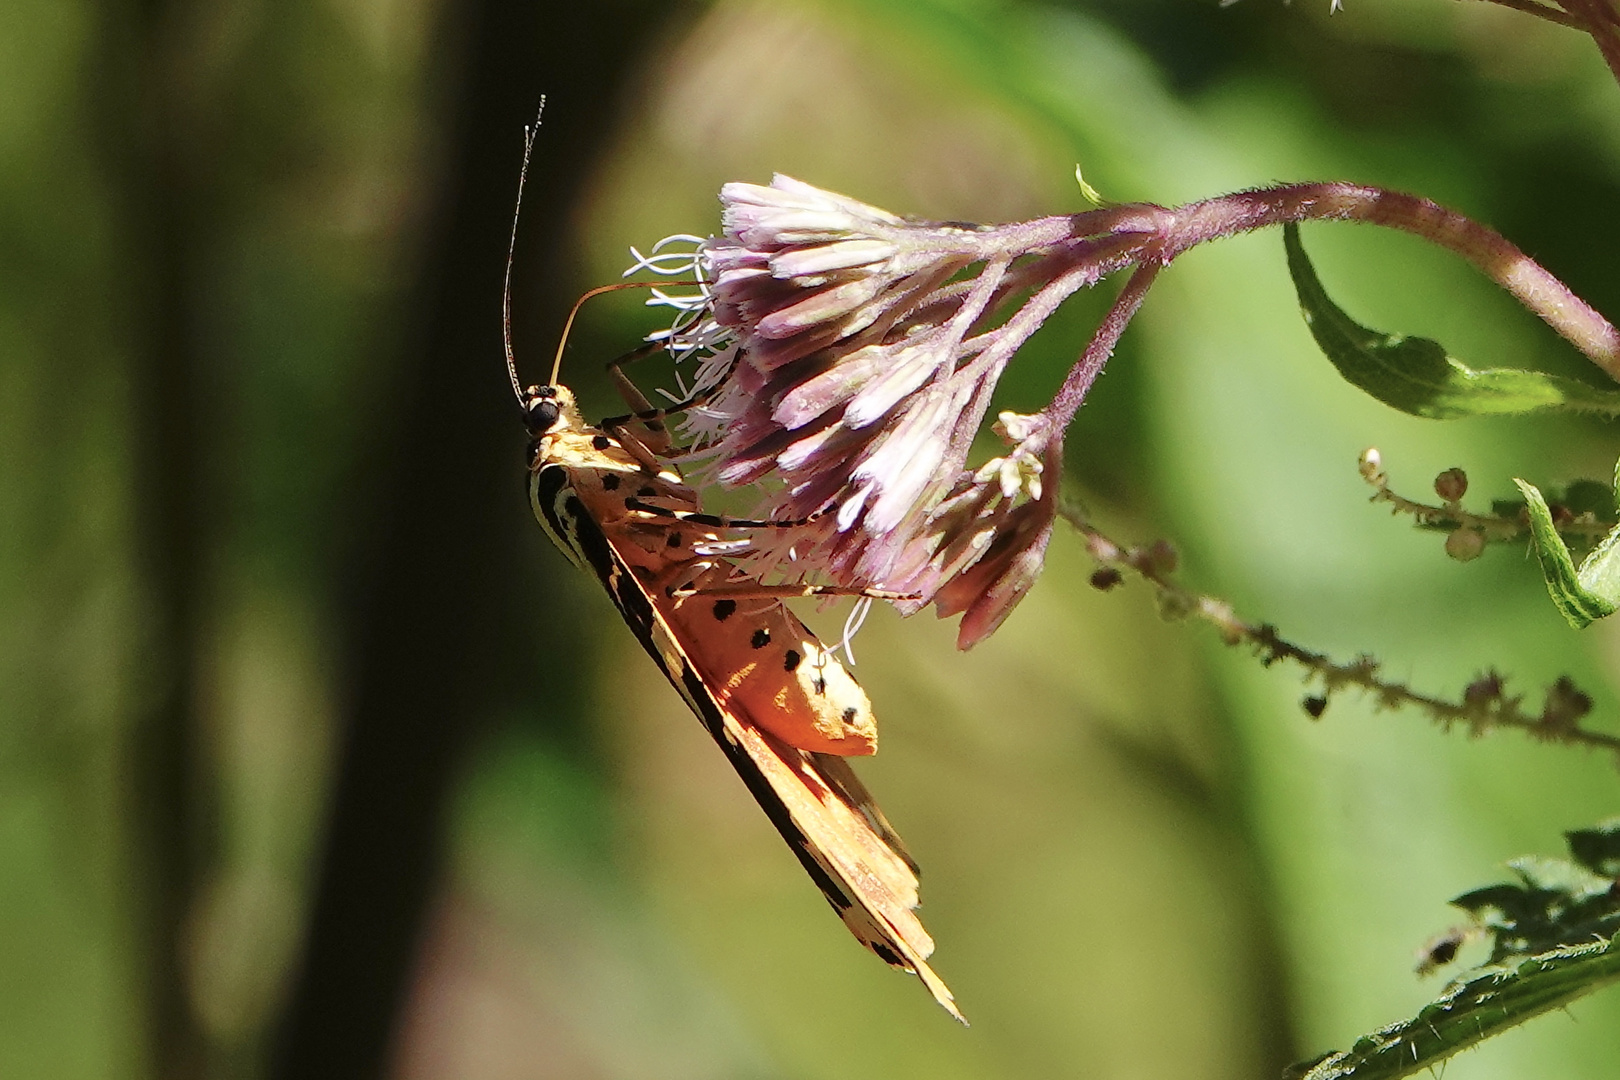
{"x": 645, "y": 413}
{"x": 685, "y": 576}
{"x": 719, "y": 521}
{"x": 684, "y": 580}
{"x": 653, "y": 434}
{"x": 628, "y": 390}
{"x": 753, "y": 590}
{"x": 699, "y": 398}
{"x": 640, "y": 446}
{"x": 678, "y": 558}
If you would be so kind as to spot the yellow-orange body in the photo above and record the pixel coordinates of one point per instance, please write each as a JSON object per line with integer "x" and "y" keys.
{"x": 755, "y": 654}
{"x": 784, "y": 712}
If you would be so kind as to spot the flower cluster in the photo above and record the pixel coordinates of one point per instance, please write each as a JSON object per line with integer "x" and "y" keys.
{"x": 859, "y": 369}
{"x": 852, "y": 356}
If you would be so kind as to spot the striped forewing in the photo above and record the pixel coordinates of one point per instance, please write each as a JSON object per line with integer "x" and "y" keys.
{"x": 815, "y": 801}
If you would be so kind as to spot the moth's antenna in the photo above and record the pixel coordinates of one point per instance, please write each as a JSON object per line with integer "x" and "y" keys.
{"x": 556, "y": 364}
{"x": 529, "y": 132}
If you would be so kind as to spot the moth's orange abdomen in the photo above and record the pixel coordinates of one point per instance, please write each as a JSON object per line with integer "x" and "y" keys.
{"x": 767, "y": 665}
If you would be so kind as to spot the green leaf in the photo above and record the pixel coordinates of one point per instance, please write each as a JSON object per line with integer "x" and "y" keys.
{"x": 1416, "y": 375}
{"x": 1473, "y": 1008}
{"x": 1597, "y": 848}
{"x": 1554, "y": 931}
{"x": 1587, "y": 497}
{"x": 1583, "y": 595}
{"x": 1088, "y": 192}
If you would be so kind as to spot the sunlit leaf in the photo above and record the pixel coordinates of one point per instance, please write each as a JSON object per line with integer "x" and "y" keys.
{"x": 1554, "y": 932}
{"x": 1416, "y": 375}
{"x": 1484, "y": 1003}
{"x": 1583, "y": 595}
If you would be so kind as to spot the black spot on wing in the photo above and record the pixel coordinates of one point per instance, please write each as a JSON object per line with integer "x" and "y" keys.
{"x": 610, "y": 481}
{"x": 791, "y": 659}
{"x": 640, "y": 615}
{"x": 601, "y": 442}
{"x": 723, "y": 609}
{"x": 761, "y": 638}
{"x": 888, "y": 955}
{"x": 850, "y": 714}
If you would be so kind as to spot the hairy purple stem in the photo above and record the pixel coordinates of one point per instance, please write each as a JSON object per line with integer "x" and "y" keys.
{"x": 1100, "y": 347}
{"x": 1489, "y": 250}
{"x": 1102, "y": 258}
{"x": 1540, "y": 10}
{"x": 1099, "y": 256}
{"x": 1599, "y": 18}
{"x": 1007, "y": 340}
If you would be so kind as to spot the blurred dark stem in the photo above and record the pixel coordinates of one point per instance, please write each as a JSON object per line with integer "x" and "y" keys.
{"x": 146, "y": 133}
{"x": 425, "y": 651}
{"x": 1214, "y": 804}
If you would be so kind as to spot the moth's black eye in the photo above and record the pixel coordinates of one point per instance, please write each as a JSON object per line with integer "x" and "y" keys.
{"x": 541, "y": 416}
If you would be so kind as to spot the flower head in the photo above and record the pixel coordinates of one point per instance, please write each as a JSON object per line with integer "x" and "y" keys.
{"x": 800, "y": 269}
{"x": 863, "y": 349}
{"x": 853, "y": 354}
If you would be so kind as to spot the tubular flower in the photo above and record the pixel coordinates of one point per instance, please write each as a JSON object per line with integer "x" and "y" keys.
{"x": 859, "y": 370}
{"x": 981, "y": 547}
{"x": 852, "y": 355}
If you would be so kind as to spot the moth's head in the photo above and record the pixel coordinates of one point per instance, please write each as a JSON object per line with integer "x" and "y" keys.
{"x": 548, "y": 410}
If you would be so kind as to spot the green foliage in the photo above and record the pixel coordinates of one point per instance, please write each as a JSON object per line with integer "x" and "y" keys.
{"x": 1115, "y": 828}
{"x": 1473, "y": 1008}
{"x": 1416, "y": 375}
{"x": 1553, "y": 932}
{"x": 1583, "y": 595}
{"x": 1598, "y": 848}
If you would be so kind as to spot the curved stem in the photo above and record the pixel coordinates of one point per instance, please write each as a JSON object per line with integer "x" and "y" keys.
{"x": 1529, "y": 282}
{"x": 1542, "y": 11}
{"x": 1101, "y": 346}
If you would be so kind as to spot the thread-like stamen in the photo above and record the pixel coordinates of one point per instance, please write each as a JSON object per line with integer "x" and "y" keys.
{"x": 852, "y": 626}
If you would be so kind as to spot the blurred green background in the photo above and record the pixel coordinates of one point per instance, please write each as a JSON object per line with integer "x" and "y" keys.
{"x": 317, "y": 760}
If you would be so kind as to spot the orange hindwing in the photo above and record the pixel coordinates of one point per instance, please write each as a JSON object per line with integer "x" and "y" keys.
{"x": 784, "y": 711}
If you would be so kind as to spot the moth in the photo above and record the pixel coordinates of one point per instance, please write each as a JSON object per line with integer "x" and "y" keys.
{"x": 783, "y": 710}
